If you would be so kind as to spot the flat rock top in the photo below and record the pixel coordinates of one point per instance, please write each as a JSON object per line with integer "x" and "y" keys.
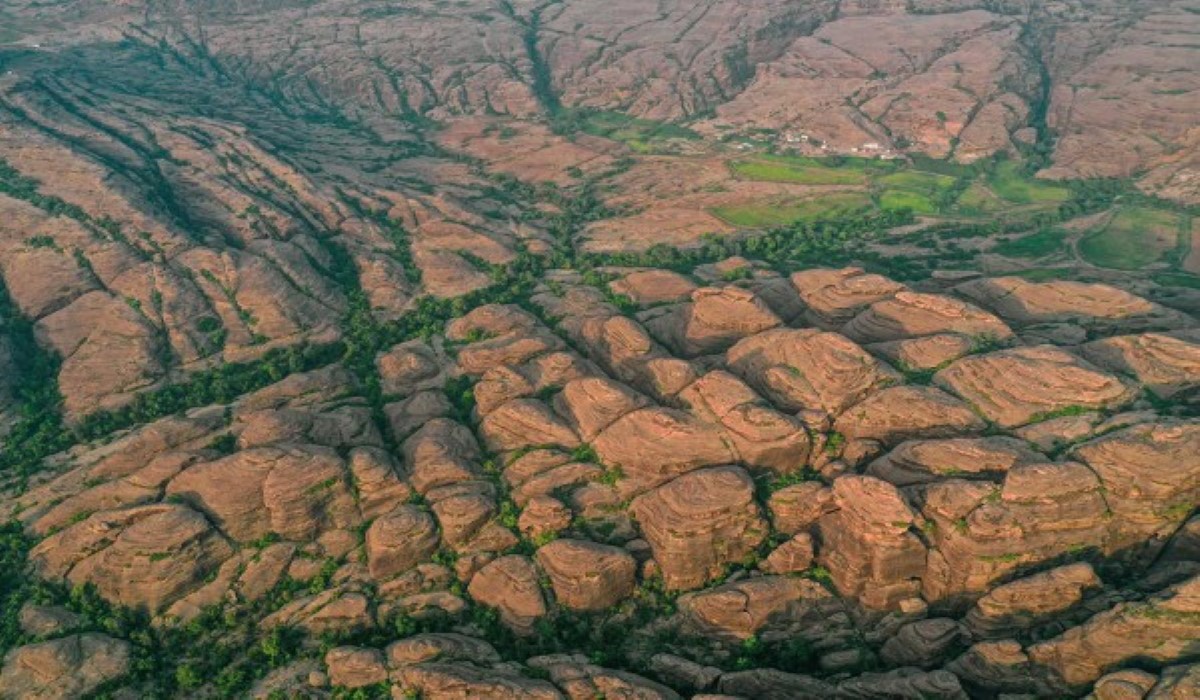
{"x": 1022, "y": 385}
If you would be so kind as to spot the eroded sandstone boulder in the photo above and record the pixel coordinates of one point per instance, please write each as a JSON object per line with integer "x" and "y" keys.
{"x": 1164, "y": 628}
{"x": 63, "y": 668}
{"x": 914, "y": 315}
{"x": 808, "y": 369}
{"x": 399, "y": 540}
{"x": 833, "y": 297}
{"x": 715, "y": 319}
{"x": 510, "y": 584}
{"x": 1060, "y": 301}
{"x": 1029, "y": 384}
{"x": 699, "y": 523}
{"x": 868, "y": 544}
{"x": 1166, "y": 365}
{"x": 586, "y": 575}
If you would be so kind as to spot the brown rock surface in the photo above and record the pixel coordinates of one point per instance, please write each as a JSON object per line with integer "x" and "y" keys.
{"x": 699, "y": 523}
{"x": 652, "y": 445}
{"x": 906, "y": 412}
{"x": 1020, "y": 604}
{"x": 354, "y": 667}
{"x": 510, "y": 584}
{"x": 808, "y": 369}
{"x": 1167, "y": 366}
{"x": 582, "y": 680}
{"x": 833, "y": 297}
{"x": 761, "y": 436}
{"x": 1151, "y": 477}
{"x": 399, "y": 540}
{"x": 651, "y": 287}
{"x": 1023, "y": 385}
{"x": 1163, "y": 628}
{"x": 927, "y": 461}
{"x": 714, "y": 320}
{"x": 797, "y": 507}
{"x": 914, "y": 315}
{"x": 868, "y": 544}
{"x": 147, "y": 556}
{"x": 1093, "y": 305}
{"x": 587, "y": 575}
{"x": 67, "y": 667}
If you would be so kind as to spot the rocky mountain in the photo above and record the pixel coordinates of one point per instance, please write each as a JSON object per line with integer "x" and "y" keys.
{"x": 785, "y": 349}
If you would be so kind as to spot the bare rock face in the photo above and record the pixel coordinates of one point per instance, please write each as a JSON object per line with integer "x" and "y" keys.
{"x": 1092, "y": 305}
{"x": 868, "y": 544}
{"x": 399, "y": 540}
{"x": 699, "y": 522}
{"x": 581, "y": 680}
{"x": 770, "y": 684}
{"x": 650, "y": 287}
{"x": 354, "y": 667}
{"x": 833, "y": 297}
{"x": 1151, "y": 477}
{"x": 587, "y": 575}
{"x": 1163, "y": 628}
{"x": 147, "y": 556}
{"x": 1166, "y": 365}
{"x": 923, "y": 644}
{"x": 981, "y": 533}
{"x": 293, "y": 491}
{"x": 1124, "y": 684}
{"x": 626, "y": 350}
{"x": 67, "y": 667}
{"x": 766, "y": 604}
{"x": 510, "y": 584}
{"x": 808, "y": 369}
{"x": 927, "y": 461}
{"x": 798, "y": 507}
{"x": 907, "y": 412}
{"x": 1177, "y": 683}
{"x": 761, "y": 436}
{"x": 408, "y": 368}
{"x": 791, "y": 557}
{"x": 448, "y": 680}
{"x": 914, "y": 315}
{"x": 523, "y": 423}
{"x": 1024, "y": 385}
{"x": 931, "y": 352}
{"x": 715, "y": 319}
{"x": 652, "y": 445}
{"x": 903, "y": 683}
{"x": 1022, "y": 604}
{"x": 593, "y": 404}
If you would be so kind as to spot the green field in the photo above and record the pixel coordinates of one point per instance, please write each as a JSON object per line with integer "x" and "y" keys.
{"x": 800, "y": 170}
{"x": 1178, "y": 279}
{"x": 1035, "y": 245}
{"x": 766, "y": 214}
{"x": 1012, "y": 185}
{"x": 919, "y": 191}
{"x": 641, "y": 135}
{"x": 1136, "y": 237}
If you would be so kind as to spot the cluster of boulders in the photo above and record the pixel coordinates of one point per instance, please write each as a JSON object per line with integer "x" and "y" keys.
{"x": 1000, "y": 515}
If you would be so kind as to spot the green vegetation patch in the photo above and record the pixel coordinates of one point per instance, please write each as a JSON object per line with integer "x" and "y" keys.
{"x": 1134, "y": 238}
{"x": 1178, "y": 279}
{"x": 922, "y": 192}
{"x": 801, "y": 170}
{"x": 978, "y": 200}
{"x": 641, "y": 135}
{"x": 778, "y": 212}
{"x": 1010, "y": 183}
{"x": 1044, "y": 242}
